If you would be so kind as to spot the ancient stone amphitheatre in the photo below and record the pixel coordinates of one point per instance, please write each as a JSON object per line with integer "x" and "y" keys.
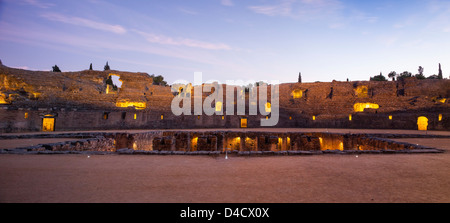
{"x": 75, "y": 137}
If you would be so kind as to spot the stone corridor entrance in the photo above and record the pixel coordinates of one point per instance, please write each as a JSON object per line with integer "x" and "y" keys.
{"x": 48, "y": 124}
{"x": 422, "y": 123}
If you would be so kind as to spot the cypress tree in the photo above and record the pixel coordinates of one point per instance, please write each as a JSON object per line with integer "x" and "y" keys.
{"x": 56, "y": 68}
{"x": 107, "y": 66}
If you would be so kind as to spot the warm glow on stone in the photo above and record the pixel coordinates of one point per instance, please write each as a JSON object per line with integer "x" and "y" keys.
{"x": 359, "y": 107}
{"x": 194, "y": 143}
{"x": 440, "y": 117}
{"x": 244, "y": 123}
{"x": 362, "y": 91}
{"x": 36, "y": 95}
{"x": 237, "y": 141}
{"x": 350, "y": 117}
{"x": 297, "y": 94}
{"x": 136, "y": 105}
{"x": 3, "y": 99}
{"x": 422, "y": 123}
{"x": 48, "y": 124}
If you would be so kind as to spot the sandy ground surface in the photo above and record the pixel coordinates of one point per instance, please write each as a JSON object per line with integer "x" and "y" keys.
{"x": 394, "y": 178}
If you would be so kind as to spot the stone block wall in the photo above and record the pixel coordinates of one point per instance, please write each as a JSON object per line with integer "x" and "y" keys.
{"x": 80, "y": 101}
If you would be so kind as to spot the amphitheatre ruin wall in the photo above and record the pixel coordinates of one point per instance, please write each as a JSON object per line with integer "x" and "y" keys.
{"x": 41, "y": 101}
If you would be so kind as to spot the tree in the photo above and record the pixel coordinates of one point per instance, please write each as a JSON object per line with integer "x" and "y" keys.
{"x": 405, "y": 74}
{"x": 421, "y": 70}
{"x": 392, "y": 75}
{"x": 420, "y": 76}
{"x": 90, "y": 67}
{"x": 440, "y": 72}
{"x": 56, "y": 68}
{"x": 106, "y": 66}
{"x": 158, "y": 80}
{"x": 378, "y": 78}
{"x": 300, "y": 77}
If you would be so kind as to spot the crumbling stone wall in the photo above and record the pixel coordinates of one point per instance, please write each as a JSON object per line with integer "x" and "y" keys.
{"x": 215, "y": 142}
{"x": 79, "y": 101}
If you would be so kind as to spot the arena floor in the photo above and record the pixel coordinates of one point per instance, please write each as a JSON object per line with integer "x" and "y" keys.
{"x": 329, "y": 178}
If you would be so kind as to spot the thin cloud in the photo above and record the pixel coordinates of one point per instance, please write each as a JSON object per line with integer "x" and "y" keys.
{"x": 284, "y": 8}
{"x": 187, "y": 11}
{"x": 38, "y": 4}
{"x": 84, "y": 22}
{"x": 227, "y": 2}
{"x": 165, "y": 40}
{"x": 300, "y": 9}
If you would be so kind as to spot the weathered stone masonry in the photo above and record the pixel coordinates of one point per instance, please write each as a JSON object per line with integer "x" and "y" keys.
{"x": 37, "y": 100}
{"x": 215, "y": 142}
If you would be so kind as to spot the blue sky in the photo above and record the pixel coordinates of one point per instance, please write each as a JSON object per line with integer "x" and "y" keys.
{"x": 229, "y": 39}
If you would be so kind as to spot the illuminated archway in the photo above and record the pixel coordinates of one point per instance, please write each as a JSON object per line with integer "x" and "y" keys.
{"x": 48, "y": 123}
{"x": 422, "y": 123}
{"x": 194, "y": 144}
{"x": 280, "y": 144}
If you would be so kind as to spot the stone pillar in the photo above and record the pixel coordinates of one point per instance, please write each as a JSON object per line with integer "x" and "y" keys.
{"x": 241, "y": 143}
{"x": 172, "y": 143}
{"x": 188, "y": 137}
{"x": 224, "y": 143}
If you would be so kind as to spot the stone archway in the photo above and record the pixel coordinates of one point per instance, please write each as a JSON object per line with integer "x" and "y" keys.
{"x": 422, "y": 123}
{"x": 48, "y": 124}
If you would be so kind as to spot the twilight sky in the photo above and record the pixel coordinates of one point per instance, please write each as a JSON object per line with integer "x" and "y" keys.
{"x": 229, "y": 39}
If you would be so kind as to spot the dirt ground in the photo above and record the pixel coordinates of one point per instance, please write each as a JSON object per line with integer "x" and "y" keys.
{"x": 369, "y": 178}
